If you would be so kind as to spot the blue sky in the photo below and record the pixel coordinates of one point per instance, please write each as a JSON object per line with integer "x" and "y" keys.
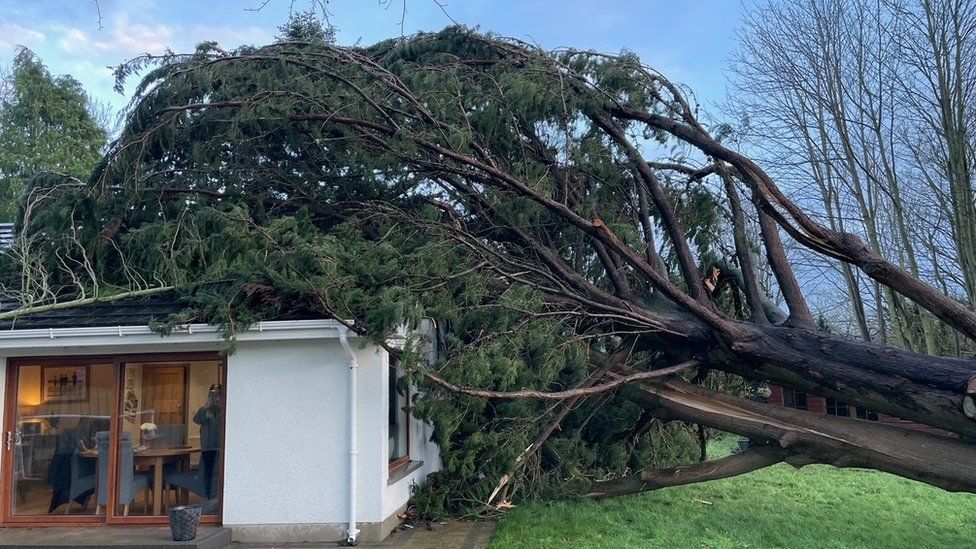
{"x": 688, "y": 40}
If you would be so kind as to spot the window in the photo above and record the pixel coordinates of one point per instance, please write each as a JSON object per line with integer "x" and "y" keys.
{"x": 866, "y": 414}
{"x": 157, "y": 423}
{"x": 399, "y": 406}
{"x": 61, "y": 407}
{"x": 173, "y": 411}
{"x": 794, "y": 399}
{"x": 835, "y": 408}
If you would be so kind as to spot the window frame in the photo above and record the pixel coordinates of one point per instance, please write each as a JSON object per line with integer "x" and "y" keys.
{"x": 791, "y": 398}
{"x": 400, "y": 413}
{"x": 834, "y": 408}
{"x": 8, "y": 519}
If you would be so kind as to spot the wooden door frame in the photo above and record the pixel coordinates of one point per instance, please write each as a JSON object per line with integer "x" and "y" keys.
{"x": 112, "y": 516}
{"x": 9, "y": 424}
{"x": 13, "y": 364}
{"x": 185, "y": 366}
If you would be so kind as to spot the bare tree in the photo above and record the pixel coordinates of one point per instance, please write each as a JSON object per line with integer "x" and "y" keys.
{"x": 937, "y": 44}
{"x": 847, "y": 80}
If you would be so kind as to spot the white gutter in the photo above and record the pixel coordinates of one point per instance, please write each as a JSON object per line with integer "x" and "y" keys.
{"x": 32, "y": 339}
{"x": 352, "y": 534}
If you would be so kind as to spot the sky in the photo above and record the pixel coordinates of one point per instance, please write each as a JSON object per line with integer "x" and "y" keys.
{"x": 690, "y": 41}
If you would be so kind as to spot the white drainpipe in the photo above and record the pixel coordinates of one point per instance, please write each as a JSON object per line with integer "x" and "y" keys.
{"x": 352, "y": 534}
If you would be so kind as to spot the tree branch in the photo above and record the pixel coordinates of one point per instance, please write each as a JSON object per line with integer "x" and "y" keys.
{"x": 81, "y": 302}
{"x": 752, "y": 459}
{"x": 571, "y": 393}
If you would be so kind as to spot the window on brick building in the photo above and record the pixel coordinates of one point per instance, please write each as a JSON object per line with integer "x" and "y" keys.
{"x": 794, "y": 399}
{"x": 835, "y": 408}
{"x": 866, "y": 414}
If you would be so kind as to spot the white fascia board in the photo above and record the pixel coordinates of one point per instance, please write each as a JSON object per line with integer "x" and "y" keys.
{"x": 276, "y": 330}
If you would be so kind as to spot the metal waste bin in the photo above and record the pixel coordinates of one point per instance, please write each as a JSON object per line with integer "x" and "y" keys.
{"x": 183, "y": 522}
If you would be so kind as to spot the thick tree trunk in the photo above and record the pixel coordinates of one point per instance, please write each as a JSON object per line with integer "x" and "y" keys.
{"x": 878, "y": 377}
{"x": 904, "y": 384}
{"x": 806, "y": 437}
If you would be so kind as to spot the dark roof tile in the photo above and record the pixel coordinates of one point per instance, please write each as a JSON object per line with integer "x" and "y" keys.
{"x": 129, "y": 312}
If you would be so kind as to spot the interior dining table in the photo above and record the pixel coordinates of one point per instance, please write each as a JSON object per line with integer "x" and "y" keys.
{"x": 155, "y": 458}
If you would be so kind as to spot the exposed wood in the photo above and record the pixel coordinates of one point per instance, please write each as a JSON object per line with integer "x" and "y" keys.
{"x": 816, "y": 438}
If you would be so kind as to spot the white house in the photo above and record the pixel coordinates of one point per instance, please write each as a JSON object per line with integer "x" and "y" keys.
{"x": 299, "y": 434}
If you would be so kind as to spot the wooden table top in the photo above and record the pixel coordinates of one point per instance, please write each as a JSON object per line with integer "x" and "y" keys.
{"x": 149, "y": 452}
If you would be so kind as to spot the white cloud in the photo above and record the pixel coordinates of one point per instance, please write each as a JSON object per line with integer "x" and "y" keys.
{"x": 13, "y": 35}
{"x": 74, "y": 41}
{"x": 120, "y": 38}
{"x": 137, "y": 38}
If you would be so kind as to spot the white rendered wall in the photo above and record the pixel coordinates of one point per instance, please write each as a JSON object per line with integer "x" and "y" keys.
{"x": 374, "y": 434}
{"x": 287, "y": 449}
{"x": 396, "y": 494}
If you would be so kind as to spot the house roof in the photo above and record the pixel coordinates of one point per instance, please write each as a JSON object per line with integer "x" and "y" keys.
{"x": 130, "y": 316}
{"x": 126, "y": 323}
{"x": 141, "y": 311}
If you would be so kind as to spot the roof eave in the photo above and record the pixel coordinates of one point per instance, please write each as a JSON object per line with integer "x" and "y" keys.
{"x": 143, "y": 335}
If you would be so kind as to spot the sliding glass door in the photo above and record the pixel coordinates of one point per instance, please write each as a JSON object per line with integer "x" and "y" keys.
{"x": 171, "y": 437}
{"x": 117, "y": 439}
{"x": 57, "y": 407}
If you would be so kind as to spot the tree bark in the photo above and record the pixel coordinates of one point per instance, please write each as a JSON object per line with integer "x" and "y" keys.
{"x": 813, "y": 438}
{"x": 752, "y": 459}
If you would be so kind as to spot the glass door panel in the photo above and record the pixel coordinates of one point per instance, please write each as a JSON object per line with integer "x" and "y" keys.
{"x": 171, "y": 437}
{"x": 62, "y": 409}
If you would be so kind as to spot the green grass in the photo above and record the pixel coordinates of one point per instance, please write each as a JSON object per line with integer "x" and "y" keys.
{"x": 815, "y": 507}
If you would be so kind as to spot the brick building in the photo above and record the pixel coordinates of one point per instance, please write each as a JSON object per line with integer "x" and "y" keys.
{"x": 781, "y": 396}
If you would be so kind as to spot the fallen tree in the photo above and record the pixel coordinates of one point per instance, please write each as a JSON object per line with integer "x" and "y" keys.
{"x": 569, "y": 198}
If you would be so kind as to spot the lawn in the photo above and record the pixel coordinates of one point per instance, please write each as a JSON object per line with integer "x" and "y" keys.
{"x": 815, "y": 507}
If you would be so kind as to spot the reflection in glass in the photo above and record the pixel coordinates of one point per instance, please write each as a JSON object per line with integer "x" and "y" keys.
{"x": 399, "y": 441}
{"x": 171, "y": 437}
{"x": 60, "y": 408}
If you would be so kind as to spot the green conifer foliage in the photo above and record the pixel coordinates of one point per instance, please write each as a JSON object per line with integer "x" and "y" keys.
{"x": 45, "y": 126}
{"x": 258, "y": 214}
{"x": 502, "y": 191}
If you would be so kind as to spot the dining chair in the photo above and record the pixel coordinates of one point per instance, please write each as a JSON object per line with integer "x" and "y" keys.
{"x": 23, "y": 466}
{"x": 200, "y": 480}
{"x": 130, "y": 482}
{"x": 82, "y": 479}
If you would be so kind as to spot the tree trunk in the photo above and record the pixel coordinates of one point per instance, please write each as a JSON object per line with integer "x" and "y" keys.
{"x": 901, "y": 383}
{"x": 806, "y": 437}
